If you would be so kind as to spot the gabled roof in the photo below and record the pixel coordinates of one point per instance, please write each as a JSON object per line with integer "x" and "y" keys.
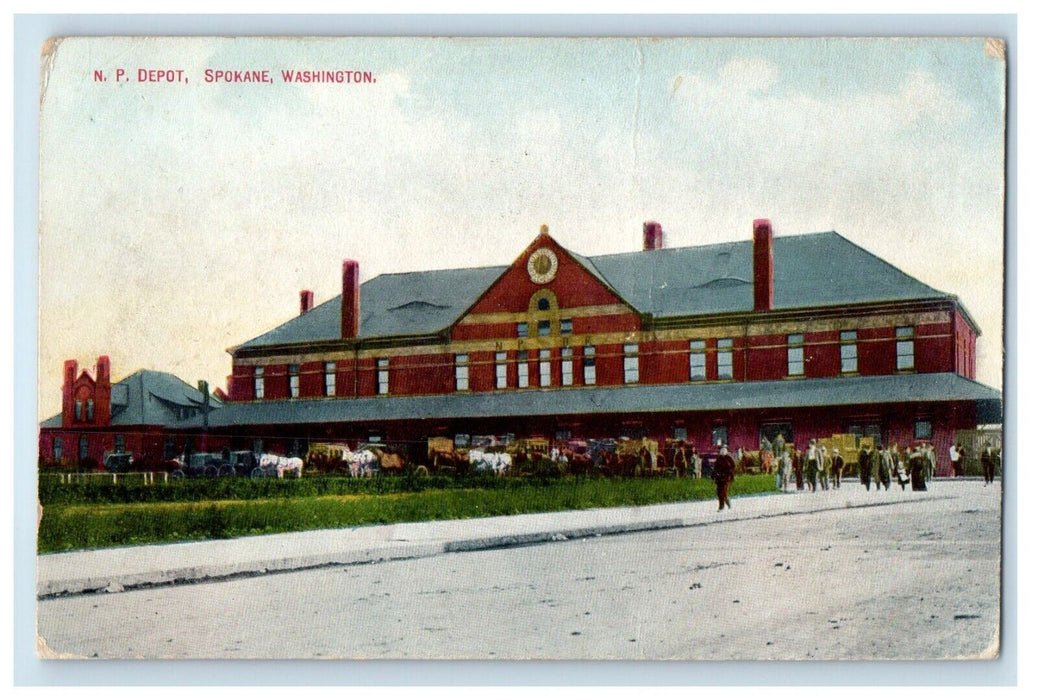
{"x": 810, "y": 270}
{"x": 147, "y": 397}
{"x": 408, "y": 303}
{"x": 645, "y": 398}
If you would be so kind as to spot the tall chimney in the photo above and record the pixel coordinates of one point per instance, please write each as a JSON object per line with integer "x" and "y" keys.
{"x": 306, "y": 301}
{"x": 350, "y": 298}
{"x": 103, "y": 391}
{"x": 653, "y": 235}
{"x": 763, "y": 266}
{"x": 67, "y": 399}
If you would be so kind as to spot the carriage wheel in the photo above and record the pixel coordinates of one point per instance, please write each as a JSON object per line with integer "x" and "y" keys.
{"x": 421, "y": 470}
{"x": 177, "y": 474}
{"x": 257, "y": 473}
{"x": 226, "y": 470}
{"x": 210, "y": 471}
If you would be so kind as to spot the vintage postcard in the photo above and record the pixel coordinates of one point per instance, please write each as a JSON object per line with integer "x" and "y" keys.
{"x": 578, "y": 349}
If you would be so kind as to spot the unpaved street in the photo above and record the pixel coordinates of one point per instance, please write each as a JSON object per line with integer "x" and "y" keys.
{"x": 912, "y": 580}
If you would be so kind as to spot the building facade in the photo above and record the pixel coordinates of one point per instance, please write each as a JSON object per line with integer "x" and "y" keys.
{"x": 807, "y": 335}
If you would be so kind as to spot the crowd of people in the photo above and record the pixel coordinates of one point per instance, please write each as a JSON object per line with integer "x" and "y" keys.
{"x": 822, "y": 468}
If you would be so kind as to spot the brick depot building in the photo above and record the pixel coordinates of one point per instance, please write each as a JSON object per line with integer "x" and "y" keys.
{"x": 138, "y": 414}
{"x": 809, "y": 335}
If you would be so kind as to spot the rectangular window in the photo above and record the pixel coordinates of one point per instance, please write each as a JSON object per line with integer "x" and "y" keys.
{"x": 566, "y": 326}
{"x": 84, "y": 447}
{"x": 79, "y": 410}
{"x": 630, "y": 363}
{"x": 680, "y": 433}
{"x": 90, "y": 409}
{"x": 257, "y": 383}
{"x": 545, "y": 368}
{"x": 567, "y": 366}
{"x": 521, "y": 330}
{"x": 58, "y": 447}
{"x": 543, "y": 327}
{"x": 589, "y": 365}
{"x": 697, "y": 359}
{"x": 923, "y": 430}
{"x": 523, "y": 369}
{"x": 329, "y": 379}
{"x": 848, "y": 351}
{"x": 501, "y": 370}
{"x": 461, "y": 372}
{"x": 383, "y": 375}
{"x": 724, "y": 358}
{"x": 293, "y": 381}
{"x": 120, "y": 443}
{"x": 795, "y": 355}
{"x": 905, "y": 348}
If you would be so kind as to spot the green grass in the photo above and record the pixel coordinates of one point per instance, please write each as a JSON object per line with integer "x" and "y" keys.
{"x": 81, "y": 523}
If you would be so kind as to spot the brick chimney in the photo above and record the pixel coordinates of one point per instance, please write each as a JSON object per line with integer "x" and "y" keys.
{"x": 306, "y": 301}
{"x": 67, "y": 393}
{"x": 103, "y": 391}
{"x": 763, "y": 266}
{"x": 350, "y": 298}
{"x": 653, "y": 236}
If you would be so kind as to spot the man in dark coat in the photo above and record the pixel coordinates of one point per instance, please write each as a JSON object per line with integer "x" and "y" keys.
{"x": 837, "y": 467}
{"x": 987, "y": 463}
{"x": 865, "y": 467}
{"x": 724, "y": 472}
{"x": 798, "y": 468}
{"x": 917, "y": 467}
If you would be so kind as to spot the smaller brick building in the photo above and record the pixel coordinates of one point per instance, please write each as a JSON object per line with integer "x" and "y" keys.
{"x": 132, "y": 415}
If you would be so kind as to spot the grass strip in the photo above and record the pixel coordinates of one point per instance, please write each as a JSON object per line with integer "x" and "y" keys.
{"x": 88, "y": 526}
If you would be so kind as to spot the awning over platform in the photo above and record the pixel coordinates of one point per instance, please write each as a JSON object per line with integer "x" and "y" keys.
{"x": 794, "y": 393}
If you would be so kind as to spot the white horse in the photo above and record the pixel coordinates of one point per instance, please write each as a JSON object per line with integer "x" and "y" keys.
{"x": 498, "y": 462}
{"x": 276, "y": 464}
{"x": 362, "y": 463}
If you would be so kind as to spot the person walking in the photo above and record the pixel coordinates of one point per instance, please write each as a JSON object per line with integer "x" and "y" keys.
{"x": 865, "y": 467}
{"x": 814, "y": 458}
{"x": 825, "y": 468}
{"x": 955, "y": 453}
{"x": 724, "y": 473}
{"x": 917, "y": 467}
{"x": 884, "y": 465}
{"x": 837, "y": 467}
{"x": 798, "y": 468}
{"x": 987, "y": 463}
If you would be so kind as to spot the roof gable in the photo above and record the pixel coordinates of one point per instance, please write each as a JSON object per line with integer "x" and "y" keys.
{"x": 574, "y": 281}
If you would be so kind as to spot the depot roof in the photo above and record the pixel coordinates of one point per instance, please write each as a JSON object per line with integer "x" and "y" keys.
{"x": 832, "y": 391}
{"x": 810, "y": 270}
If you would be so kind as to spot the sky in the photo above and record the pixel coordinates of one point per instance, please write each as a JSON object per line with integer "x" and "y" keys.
{"x": 180, "y": 219}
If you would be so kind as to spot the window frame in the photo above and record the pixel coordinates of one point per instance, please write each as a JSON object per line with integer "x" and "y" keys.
{"x": 330, "y": 379}
{"x": 522, "y": 368}
{"x": 293, "y": 381}
{"x": 590, "y": 373}
{"x": 904, "y": 338}
{"x": 848, "y": 345}
{"x": 544, "y": 367}
{"x": 631, "y": 363}
{"x": 461, "y": 371}
{"x": 259, "y": 387}
{"x": 522, "y": 329}
{"x": 795, "y": 347}
{"x": 58, "y": 448}
{"x": 696, "y": 360}
{"x": 501, "y": 370}
{"x": 725, "y": 358}
{"x": 566, "y": 326}
{"x": 566, "y": 367}
{"x": 382, "y": 376}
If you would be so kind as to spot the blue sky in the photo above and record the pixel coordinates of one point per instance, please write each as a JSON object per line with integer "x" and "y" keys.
{"x": 213, "y": 205}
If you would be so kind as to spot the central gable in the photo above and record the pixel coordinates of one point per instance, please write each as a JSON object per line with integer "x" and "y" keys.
{"x": 545, "y": 268}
